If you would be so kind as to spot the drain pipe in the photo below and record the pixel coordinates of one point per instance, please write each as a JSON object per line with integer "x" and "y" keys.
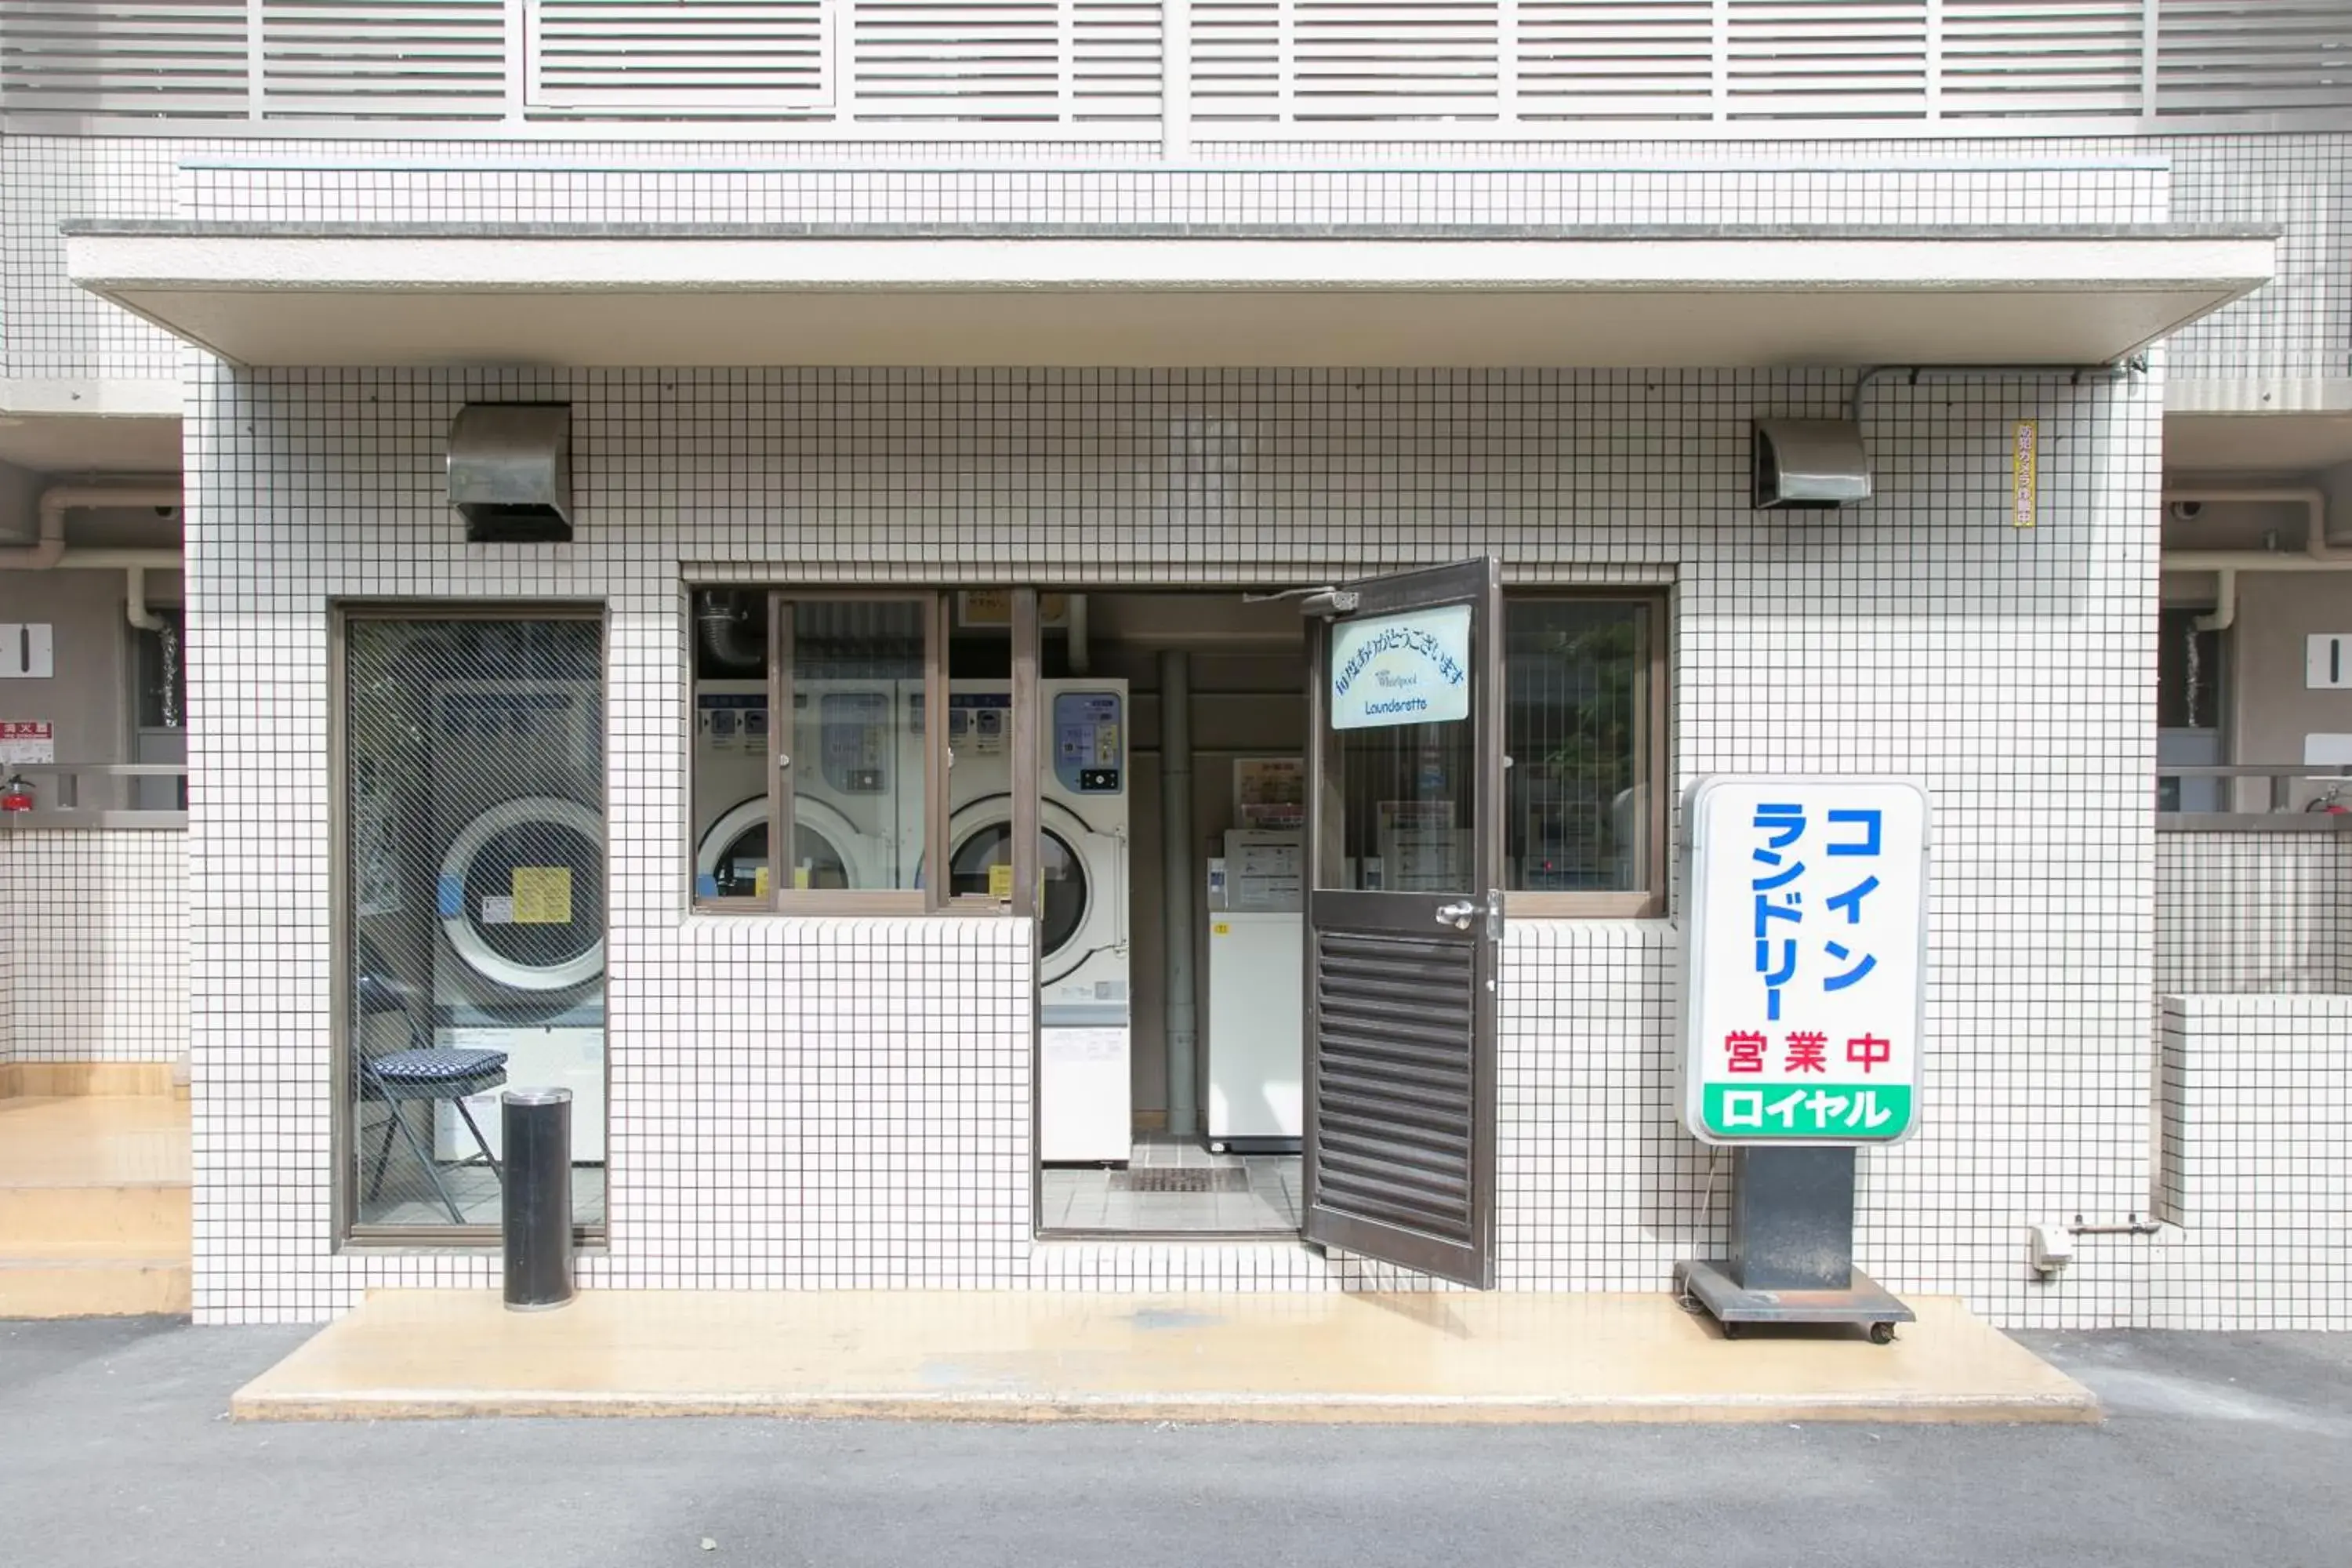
{"x": 1176, "y": 855}
{"x": 1081, "y": 657}
{"x": 49, "y": 553}
{"x": 2319, "y": 552}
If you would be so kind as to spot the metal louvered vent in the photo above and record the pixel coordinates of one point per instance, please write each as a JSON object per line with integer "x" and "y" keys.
{"x": 180, "y": 61}
{"x": 442, "y": 59}
{"x": 1012, "y": 60}
{"x": 1394, "y": 1086}
{"x": 2283, "y": 55}
{"x": 1611, "y": 67}
{"x": 1605, "y": 59}
{"x": 2001, "y": 57}
{"x": 1827, "y": 60}
{"x": 691, "y": 55}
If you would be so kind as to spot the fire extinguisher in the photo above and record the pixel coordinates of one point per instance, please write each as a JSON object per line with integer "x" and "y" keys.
{"x": 15, "y": 794}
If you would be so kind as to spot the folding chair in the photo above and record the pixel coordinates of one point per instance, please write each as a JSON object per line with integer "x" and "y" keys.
{"x": 422, "y": 1071}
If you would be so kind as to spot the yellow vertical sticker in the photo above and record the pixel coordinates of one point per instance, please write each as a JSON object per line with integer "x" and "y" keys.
{"x": 760, "y": 883}
{"x": 800, "y": 877}
{"x": 542, "y": 895}
{"x": 1000, "y": 881}
{"x": 2024, "y": 464}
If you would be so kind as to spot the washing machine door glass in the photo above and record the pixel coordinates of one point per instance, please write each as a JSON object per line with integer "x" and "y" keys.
{"x": 738, "y": 868}
{"x": 555, "y": 938}
{"x": 1065, "y": 874}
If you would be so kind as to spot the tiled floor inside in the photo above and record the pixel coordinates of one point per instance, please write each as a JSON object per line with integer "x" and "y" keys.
{"x": 1248, "y": 1193}
{"x": 408, "y": 1198}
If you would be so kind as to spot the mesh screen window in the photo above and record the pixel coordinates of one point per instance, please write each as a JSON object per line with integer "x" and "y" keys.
{"x": 474, "y": 805}
{"x": 1579, "y": 729}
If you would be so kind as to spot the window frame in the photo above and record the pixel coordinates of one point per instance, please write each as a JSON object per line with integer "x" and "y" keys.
{"x": 1654, "y": 749}
{"x": 351, "y": 1234}
{"x": 935, "y": 897}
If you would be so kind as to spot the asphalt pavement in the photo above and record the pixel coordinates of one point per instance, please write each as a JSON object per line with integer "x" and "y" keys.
{"x": 116, "y": 1450}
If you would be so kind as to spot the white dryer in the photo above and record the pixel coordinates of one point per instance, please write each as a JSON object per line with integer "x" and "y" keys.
{"x": 845, "y": 785}
{"x": 1085, "y": 1097}
{"x": 517, "y": 831}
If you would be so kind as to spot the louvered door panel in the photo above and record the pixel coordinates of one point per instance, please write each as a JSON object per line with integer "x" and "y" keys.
{"x": 183, "y": 60}
{"x": 1827, "y": 60}
{"x": 368, "y": 59}
{"x": 1011, "y": 60}
{"x": 680, "y": 56}
{"x": 1605, "y": 59}
{"x": 2057, "y": 56}
{"x": 2277, "y": 56}
{"x": 1395, "y": 1096}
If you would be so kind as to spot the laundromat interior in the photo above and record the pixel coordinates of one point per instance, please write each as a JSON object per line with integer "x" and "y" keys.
{"x": 1111, "y": 1160}
{"x": 1170, "y": 964}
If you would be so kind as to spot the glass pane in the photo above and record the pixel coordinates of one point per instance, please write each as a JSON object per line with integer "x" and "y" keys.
{"x": 162, "y": 674}
{"x": 731, "y": 767}
{"x": 1578, "y": 795}
{"x": 1408, "y": 788}
{"x": 857, "y": 675}
{"x": 2188, "y": 673}
{"x": 973, "y": 871}
{"x": 474, "y": 794}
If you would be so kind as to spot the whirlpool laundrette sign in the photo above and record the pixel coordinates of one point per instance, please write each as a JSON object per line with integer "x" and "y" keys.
{"x": 1413, "y": 668}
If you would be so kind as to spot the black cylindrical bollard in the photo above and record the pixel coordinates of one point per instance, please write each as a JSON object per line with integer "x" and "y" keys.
{"x": 537, "y": 1124}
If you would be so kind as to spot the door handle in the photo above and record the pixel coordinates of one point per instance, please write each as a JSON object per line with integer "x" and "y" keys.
{"x": 1460, "y": 914}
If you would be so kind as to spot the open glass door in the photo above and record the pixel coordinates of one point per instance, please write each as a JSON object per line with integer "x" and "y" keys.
{"x": 1404, "y": 919}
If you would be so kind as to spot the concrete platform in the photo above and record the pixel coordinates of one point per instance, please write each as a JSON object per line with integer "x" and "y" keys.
{"x": 1048, "y": 1356}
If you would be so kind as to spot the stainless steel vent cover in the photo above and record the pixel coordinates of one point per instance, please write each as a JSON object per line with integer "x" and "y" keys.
{"x": 1808, "y": 463}
{"x": 510, "y": 472}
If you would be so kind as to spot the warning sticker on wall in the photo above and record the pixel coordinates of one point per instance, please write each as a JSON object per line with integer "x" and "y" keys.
{"x": 24, "y": 740}
{"x": 542, "y": 895}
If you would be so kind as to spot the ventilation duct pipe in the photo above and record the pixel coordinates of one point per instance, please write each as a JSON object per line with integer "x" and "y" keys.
{"x": 1176, "y": 899}
{"x": 49, "y": 553}
{"x": 729, "y": 636}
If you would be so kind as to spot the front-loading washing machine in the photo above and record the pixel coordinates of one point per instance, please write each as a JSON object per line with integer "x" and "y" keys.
{"x": 1084, "y": 977}
{"x": 846, "y": 783}
{"x": 517, "y": 826}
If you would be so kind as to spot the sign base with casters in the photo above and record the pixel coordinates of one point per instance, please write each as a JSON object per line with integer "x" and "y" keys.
{"x": 1792, "y": 1249}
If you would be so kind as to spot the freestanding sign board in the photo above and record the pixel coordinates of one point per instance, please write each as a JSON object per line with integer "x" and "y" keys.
{"x": 1805, "y": 955}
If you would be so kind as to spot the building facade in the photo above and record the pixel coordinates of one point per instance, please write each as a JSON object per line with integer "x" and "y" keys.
{"x": 300, "y": 255}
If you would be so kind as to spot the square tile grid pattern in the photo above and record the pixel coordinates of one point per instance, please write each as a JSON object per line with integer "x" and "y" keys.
{"x": 94, "y": 950}
{"x": 812, "y": 1103}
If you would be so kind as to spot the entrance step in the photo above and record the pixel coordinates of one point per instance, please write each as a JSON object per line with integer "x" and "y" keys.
{"x": 93, "y": 1287}
{"x": 94, "y": 1203}
{"x": 1054, "y": 1355}
{"x": 124, "y": 1220}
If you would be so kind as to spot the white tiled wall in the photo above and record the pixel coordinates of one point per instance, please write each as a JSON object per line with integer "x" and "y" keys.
{"x": 800, "y": 1103}
{"x": 2256, "y": 1167}
{"x": 95, "y": 951}
{"x": 808, "y": 1103}
{"x": 2257, "y": 912}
